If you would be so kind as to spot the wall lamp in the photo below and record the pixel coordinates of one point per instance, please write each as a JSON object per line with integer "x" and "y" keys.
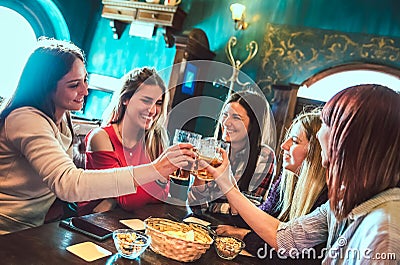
{"x": 238, "y": 16}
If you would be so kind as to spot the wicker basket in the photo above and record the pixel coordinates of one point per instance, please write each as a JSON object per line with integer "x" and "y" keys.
{"x": 166, "y": 243}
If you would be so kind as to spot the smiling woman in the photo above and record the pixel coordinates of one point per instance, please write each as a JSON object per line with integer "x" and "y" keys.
{"x": 134, "y": 134}
{"x": 245, "y": 122}
{"x": 36, "y": 134}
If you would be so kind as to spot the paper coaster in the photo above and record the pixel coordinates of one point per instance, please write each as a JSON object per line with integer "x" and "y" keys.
{"x": 196, "y": 220}
{"x": 88, "y": 251}
{"x": 135, "y": 224}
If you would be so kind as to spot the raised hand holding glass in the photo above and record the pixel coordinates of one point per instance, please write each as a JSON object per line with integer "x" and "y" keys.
{"x": 182, "y": 136}
{"x": 209, "y": 152}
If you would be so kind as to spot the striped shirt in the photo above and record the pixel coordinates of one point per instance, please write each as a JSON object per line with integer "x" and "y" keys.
{"x": 369, "y": 235}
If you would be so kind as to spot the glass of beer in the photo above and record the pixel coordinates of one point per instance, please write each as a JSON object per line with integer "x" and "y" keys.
{"x": 209, "y": 152}
{"x": 182, "y": 136}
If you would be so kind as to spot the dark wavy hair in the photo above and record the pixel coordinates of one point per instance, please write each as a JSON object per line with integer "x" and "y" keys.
{"x": 47, "y": 65}
{"x": 364, "y": 144}
{"x": 256, "y": 108}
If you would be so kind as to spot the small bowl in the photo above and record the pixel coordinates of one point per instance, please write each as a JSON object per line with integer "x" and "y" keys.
{"x": 130, "y": 243}
{"x": 228, "y": 247}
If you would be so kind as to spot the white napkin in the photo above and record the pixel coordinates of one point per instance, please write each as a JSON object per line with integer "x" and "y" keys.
{"x": 88, "y": 251}
{"x": 135, "y": 224}
{"x": 196, "y": 220}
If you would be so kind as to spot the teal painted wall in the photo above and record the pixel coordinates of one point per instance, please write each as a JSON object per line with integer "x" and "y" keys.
{"x": 115, "y": 57}
{"x": 81, "y": 18}
{"x": 107, "y": 56}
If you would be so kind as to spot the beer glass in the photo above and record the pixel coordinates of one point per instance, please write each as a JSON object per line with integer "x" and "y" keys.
{"x": 209, "y": 152}
{"x": 182, "y": 136}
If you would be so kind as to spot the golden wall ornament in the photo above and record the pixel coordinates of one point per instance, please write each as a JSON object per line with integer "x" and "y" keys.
{"x": 252, "y": 48}
{"x": 291, "y": 55}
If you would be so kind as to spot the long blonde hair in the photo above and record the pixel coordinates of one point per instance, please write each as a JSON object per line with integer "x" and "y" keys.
{"x": 156, "y": 138}
{"x": 299, "y": 192}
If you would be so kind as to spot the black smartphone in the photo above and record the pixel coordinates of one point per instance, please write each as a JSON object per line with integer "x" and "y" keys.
{"x": 87, "y": 228}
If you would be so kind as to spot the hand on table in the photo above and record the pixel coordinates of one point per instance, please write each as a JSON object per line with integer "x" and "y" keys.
{"x": 228, "y": 230}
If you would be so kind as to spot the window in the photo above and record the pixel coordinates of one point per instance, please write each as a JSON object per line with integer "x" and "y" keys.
{"x": 21, "y": 23}
{"x": 14, "y": 50}
{"x": 325, "y": 88}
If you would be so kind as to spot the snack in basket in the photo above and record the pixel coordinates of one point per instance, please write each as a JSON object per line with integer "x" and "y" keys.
{"x": 189, "y": 235}
{"x": 178, "y": 241}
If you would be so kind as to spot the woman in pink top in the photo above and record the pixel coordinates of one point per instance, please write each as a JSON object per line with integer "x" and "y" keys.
{"x": 134, "y": 135}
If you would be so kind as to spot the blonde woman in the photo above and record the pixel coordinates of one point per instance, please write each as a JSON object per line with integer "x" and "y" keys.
{"x": 301, "y": 188}
{"x": 134, "y": 135}
{"x": 309, "y": 176}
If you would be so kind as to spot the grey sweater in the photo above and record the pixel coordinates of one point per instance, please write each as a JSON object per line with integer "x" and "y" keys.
{"x": 36, "y": 167}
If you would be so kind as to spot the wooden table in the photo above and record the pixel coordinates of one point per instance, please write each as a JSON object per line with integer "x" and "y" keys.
{"x": 47, "y": 244}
